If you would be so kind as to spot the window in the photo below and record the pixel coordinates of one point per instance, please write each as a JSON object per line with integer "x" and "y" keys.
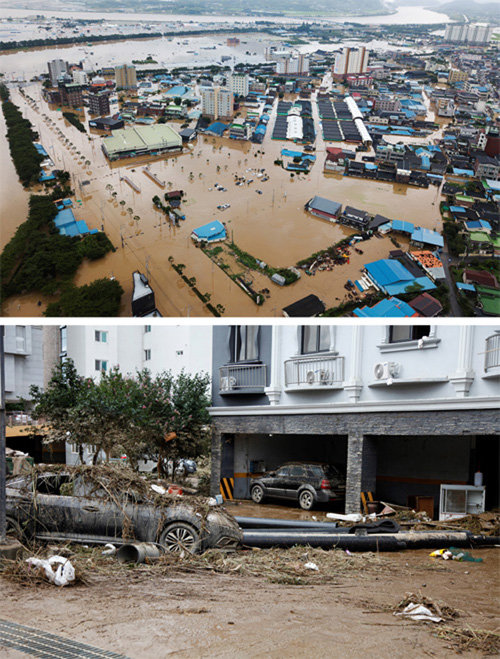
{"x": 315, "y": 338}
{"x": 101, "y": 336}
{"x": 101, "y": 365}
{"x": 244, "y": 343}
{"x": 399, "y": 333}
{"x": 147, "y": 355}
{"x": 147, "y": 329}
{"x": 63, "y": 337}
{"x": 21, "y": 338}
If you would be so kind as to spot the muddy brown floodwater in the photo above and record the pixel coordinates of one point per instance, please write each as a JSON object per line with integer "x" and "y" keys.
{"x": 271, "y": 226}
{"x": 204, "y": 614}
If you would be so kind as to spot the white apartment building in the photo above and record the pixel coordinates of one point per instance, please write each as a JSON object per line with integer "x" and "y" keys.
{"x": 477, "y": 33}
{"x": 80, "y": 77}
{"x": 56, "y": 68}
{"x": 100, "y": 347}
{"x": 125, "y": 76}
{"x": 351, "y": 61}
{"x": 399, "y": 409}
{"x": 217, "y": 103}
{"x": 23, "y": 346}
{"x": 293, "y": 64}
{"x": 238, "y": 84}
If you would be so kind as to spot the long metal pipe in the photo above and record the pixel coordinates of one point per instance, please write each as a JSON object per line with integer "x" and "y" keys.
{"x": 275, "y": 523}
{"x": 369, "y": 542}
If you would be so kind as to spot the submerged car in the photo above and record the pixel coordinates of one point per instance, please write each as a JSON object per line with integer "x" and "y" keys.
{"x": 307, "y": 483}
{"x": 102, "y": 504}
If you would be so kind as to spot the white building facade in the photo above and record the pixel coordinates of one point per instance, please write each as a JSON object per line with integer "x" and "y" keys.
{"x": 24, "y": 366}
{"x": 399, "y": 409}
{"x": 217, "y": 103}
{"x": 56, "y": 68}
{"x": 476, "y": 33}
{"x": 238, "y": 84}
{"x": 351, "y": 61}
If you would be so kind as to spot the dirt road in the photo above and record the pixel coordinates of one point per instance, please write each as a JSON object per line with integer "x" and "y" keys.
{"x": 199, "y": 613}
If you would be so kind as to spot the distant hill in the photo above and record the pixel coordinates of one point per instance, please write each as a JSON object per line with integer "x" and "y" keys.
{"x": 474, "y": 11}
{"x": 247, "y": 7}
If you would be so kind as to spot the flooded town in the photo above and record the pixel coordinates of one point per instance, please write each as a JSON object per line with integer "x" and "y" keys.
{"x": 206, "y": 159}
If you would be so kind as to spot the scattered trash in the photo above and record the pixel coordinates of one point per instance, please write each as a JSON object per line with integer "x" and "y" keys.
{"x": 217, "y": 500}
{"x": 158, "y": 489}
{"x": 418, "y": 612}
{"x": 419, "y": 607}
{"x": 109, "y": 550}
{"x": 63, "y": 574}
{"x": 140, "y": 552}
{"x": 353, "y": 517}
{"x": 311, "y": 566}
{"x": 455, "y": 554}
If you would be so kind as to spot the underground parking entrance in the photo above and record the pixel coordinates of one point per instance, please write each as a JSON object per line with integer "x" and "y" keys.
{"x": 414, "y": 459}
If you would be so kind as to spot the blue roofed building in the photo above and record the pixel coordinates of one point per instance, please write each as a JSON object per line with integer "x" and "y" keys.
{"x": 68, "y": 225}
{"x": 426, "y": 238}
{"x": 211, "y": 232}
{"x": 391, "y": 277}
{"x": 389, "y": 308}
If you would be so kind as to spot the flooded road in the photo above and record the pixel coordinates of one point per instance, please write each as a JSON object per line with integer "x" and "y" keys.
{"x": 271, "y": 226}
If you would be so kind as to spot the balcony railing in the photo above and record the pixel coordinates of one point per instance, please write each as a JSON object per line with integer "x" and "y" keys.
{"x": 242, "y": 378}
{"x": 492, "y": 354}
{"x": 314, "y": 371}
{"x": 19, "y": 419}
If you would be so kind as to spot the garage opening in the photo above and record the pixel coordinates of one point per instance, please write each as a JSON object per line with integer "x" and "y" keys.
{"x": 254, "y": 454}
{"x": 411, "y": 470}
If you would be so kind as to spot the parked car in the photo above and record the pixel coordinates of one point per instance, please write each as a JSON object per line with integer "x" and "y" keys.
{"x": 306, "y": 482}
{"x": 110, "y": 504}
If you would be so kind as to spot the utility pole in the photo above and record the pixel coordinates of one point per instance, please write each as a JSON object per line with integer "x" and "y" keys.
{"x": 3, "y": 466}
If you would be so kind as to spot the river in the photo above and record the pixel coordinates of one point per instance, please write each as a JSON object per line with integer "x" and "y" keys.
{"x": 403, "y": 15}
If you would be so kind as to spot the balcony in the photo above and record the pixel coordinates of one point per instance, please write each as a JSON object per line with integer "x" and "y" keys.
{"x": 312, "y": 372}
{"x": 492, "y": 356}
{"x": 242, "y": 379}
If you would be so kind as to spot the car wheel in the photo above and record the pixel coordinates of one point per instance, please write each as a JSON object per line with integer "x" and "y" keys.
{"x": 257, "y": 494}
{"x": 306, "y": 500}
{"x": 180, "y": 536}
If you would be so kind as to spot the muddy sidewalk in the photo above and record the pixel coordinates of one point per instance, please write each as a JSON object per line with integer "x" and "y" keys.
{"x": 273, "y": 608}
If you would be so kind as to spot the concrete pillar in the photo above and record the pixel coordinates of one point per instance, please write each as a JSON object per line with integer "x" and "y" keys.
{"x": 361, "y": 469}
{"x": 216, "y": 462}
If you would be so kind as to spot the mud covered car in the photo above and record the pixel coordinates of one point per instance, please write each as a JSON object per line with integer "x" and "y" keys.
{"x": 307, "y": 483}
{"x": 113, "y": 504}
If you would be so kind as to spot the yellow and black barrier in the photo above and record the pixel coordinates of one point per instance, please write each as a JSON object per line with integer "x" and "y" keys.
{"x": 227, "y": 488}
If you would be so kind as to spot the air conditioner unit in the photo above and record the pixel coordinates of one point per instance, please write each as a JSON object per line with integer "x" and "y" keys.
{"x": 310, "y": 377}
{"x": 386, "y": 370}
{"x": 227, "y": 383}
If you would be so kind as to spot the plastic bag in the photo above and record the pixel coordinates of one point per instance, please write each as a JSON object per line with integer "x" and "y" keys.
{"x": 63, "y": 574}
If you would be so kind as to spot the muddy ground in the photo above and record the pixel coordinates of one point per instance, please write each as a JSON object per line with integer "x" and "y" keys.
{"x": 344, "y": 610}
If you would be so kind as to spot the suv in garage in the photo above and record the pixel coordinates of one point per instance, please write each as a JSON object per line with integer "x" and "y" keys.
{"x": 306, "y": 482}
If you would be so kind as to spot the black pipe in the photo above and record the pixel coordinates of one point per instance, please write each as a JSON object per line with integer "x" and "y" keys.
{"x": 270, "y": 522}
{"x": 369, "y": 542}
{"x": 267, "y": 538}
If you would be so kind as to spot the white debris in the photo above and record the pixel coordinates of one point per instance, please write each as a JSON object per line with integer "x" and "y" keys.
{"x": 353, "y": 517}
{"x": 109, "y": 549}
{"x": 419, "y": 612}
{"x": 63, "y": 574}
{"x": 311, "y": 566}
{"x": 158, "y": 489}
